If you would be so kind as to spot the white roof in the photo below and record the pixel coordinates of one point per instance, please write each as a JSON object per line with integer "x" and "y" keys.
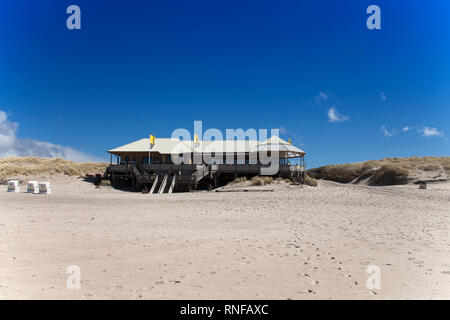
{"x": 176, "y": 146}
{"x": 226, "y": 146}
{"x": 162, "y": 145}
{"x": 278, "y": 145}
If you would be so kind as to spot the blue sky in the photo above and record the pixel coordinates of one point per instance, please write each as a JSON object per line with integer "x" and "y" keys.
{"x": 143, "y": 67}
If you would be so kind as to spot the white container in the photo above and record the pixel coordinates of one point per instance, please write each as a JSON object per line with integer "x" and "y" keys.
{"x": 13, "y": 186}
{"x": 44, "y": 187}
{"x": 33, "y": 187}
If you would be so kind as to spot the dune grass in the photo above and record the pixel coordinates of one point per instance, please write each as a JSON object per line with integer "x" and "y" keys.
{"x": 389, "y": 171}
{"x": 33, "y": 166}
{"x": 238, "y": 180}
{"x": 310, "y": 181}
{"x": 261, "y": 181}
{"x": 390, "y": 175}
{"x": 265, "y": 180}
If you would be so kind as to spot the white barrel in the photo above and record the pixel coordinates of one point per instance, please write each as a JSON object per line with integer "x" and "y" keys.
{"x": 44, "y": 187}
{"x": 33, "y": 187}
{"x": 13, "y": 186}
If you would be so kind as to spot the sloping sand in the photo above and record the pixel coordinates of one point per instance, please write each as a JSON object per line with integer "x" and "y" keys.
{"x": 296, "y": 243}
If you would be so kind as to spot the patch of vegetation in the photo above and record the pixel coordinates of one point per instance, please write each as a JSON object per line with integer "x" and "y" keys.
{"x": 390, "y": 175}
{"x": 430, "y": 167}
{"x": 34, "y": 166}
{"x": 343, "y": 173}
{"x": 260, "y": 181}
{"x": 238, "y": 180}
{"x": 310, "y": 181}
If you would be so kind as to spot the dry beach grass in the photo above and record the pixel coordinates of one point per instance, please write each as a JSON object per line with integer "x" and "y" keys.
{"x": 19, "y": 167}
{"x": 389, "y": 171}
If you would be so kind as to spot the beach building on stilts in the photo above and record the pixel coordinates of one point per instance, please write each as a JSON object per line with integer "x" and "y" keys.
{"x": 161, "y": 165}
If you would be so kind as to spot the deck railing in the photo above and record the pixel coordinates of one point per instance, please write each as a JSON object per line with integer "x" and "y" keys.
{"x": 201, "y": 173}
{"x": 201, "y": 169}
{"x": 299, "y": 167}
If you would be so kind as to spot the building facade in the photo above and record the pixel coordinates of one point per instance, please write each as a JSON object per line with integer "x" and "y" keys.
{"x": 186, "y": 164}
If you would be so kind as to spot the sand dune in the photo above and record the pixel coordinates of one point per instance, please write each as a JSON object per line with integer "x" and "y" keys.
{"x": 291, "y": 243}
{"x": 389, "y": 171}
{"x": 33, "y": 167}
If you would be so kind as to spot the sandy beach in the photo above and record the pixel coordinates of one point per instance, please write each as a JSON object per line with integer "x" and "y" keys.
{"x": 292, "y": 243}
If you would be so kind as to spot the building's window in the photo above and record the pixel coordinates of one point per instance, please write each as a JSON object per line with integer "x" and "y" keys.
{"x": 144, "y": 160}
{"x": 133, "y": 161}
{"x": 168, "y": 159}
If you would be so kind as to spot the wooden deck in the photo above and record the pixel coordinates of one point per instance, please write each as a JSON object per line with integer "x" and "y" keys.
{"x": 190, "y": 176}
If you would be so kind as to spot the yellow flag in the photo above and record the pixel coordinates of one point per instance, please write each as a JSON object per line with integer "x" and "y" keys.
{"x": 152, "y": 139}
{"x": 195, "y": 138}
{"x": 290, "y": 141}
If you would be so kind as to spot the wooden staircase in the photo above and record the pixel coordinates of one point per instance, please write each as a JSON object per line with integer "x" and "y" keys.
{"x": 172, "y": 185}
{"x": 163, "y": 185}
{"x": 155, "y": 183}
{"x": 201, "y": 173}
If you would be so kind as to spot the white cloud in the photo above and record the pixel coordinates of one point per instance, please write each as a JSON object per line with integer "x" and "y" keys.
{"x": 383, "y": 96}
{"x": 386, "y": 132}
{"x": 431, "y": 132}
{"x": 335, "y": 116}
{"x": 407, "y": 128}
{"x": 11, "y": 146}
{"x": 321, "y": 97}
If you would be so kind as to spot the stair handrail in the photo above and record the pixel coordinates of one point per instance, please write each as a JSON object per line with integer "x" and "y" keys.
{"x": 201, "y": 173}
